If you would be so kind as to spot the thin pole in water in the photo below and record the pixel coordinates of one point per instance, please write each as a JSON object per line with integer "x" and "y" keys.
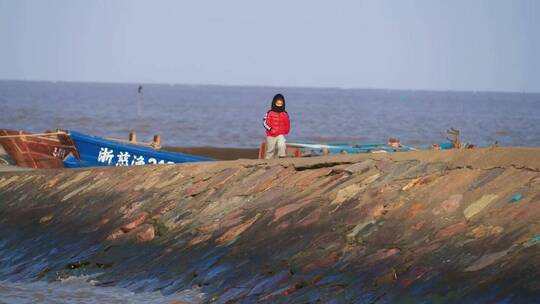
{"x": 139, "y": 100}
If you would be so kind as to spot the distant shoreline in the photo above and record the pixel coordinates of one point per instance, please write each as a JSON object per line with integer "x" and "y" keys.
{"x": 276, "y": 87}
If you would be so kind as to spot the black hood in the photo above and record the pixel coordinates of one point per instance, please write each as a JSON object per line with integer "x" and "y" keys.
{"x": 276, "y": 108}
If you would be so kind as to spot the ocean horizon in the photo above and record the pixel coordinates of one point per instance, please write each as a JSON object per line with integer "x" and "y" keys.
{"x": 198, "y": 115}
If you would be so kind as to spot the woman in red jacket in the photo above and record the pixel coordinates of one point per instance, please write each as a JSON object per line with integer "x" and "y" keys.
{"x": 277, "y": 125}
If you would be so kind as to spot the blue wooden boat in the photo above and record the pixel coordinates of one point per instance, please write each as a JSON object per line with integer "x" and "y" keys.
{"x": 317, "y": 149}
{"x": 96, "y": 151}
{"x": 307, "y": 149}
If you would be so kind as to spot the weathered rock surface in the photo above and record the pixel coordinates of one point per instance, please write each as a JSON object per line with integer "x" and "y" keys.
{"x": 406, "y": 227}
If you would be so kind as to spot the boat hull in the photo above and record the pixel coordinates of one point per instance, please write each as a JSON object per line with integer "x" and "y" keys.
{"x": 96, "y": 151}
{"x": 300, "y": 149}
{"x": 46, "y": 151}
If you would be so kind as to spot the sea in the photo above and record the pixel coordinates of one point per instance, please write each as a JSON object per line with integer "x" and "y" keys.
{"x": 231, "y": 116}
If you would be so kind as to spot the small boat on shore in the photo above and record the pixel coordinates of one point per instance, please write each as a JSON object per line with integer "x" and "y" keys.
{"x": 97, "y": 151}
{"x": 311, "y": 149}
{"x": 40, "y": 151}
{"x": 72, "y": 149}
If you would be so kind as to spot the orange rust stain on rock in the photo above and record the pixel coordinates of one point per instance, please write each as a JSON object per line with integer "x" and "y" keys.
{"x": 294, "y": 288}
{"x": 135, "y": 221}
{"x": 208, "y": 228}
{"x": 145, "y": 233}
{"x": 199, "y": 239}
{"x": 142, "y": 233}
{"x": 382, "y": 254}
{"x": 235, "y": 231}
{"x": 411, "y": 184}
{"x": 265, "y": 185}
{"x": 415, "y": 210}
{"x": 231, "y": 219}
{"x": 282, "y": 211}
{"x": 417, "y": 182}
{"x": 452, "y": 230}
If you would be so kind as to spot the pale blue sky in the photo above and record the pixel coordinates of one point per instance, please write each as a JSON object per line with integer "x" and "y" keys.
{"x": 443, "y": 45}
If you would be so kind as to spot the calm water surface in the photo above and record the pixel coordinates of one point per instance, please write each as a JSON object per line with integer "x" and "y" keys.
{"x": 231, "y": 116}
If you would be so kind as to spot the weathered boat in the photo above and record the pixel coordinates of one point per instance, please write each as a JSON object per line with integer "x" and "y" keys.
{"x": 310, "y": 149}
{"x": 41, "y": 151}
{"x": 97, "y": 151}
{"x": 314, "y": 149}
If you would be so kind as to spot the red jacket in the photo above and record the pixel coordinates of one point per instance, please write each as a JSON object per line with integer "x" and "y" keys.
{"x": 276, "y": 123}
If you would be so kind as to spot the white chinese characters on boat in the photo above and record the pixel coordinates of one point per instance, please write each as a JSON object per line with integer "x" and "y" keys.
{"x": 123, "y": 159}
{"x": 59, "y": 153}
{"x": 137, "y": 160}
{"x": 106, "y": 156}
{"x": 154, "y": 161}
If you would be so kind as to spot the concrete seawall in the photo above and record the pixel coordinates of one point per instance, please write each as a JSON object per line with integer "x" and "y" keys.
{"x": 448, "y": 226}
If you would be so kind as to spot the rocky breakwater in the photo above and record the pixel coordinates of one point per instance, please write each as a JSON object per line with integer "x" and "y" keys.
{"x": 448, "y": 226}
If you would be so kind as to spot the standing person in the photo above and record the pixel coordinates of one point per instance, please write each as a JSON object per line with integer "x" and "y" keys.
{"x": 277, "y": 125}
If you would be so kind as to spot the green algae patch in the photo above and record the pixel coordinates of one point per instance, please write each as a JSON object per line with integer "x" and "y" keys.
{"x": 160, "y": 229}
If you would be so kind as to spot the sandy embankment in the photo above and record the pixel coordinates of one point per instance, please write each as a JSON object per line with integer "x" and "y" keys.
{"x": 449, "y": 226}
{"x": 217, "y": 152}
